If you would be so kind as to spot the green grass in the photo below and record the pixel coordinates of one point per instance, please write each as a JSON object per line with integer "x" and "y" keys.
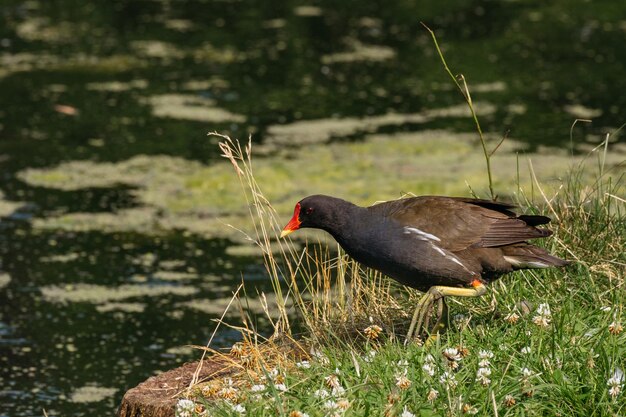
{"x": 568, "y": 362}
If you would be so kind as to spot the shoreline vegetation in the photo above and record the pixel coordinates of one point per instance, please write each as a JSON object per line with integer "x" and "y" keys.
{"x": 542, "y": 342}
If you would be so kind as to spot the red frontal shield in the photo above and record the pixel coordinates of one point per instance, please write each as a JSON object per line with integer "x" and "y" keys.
{"x": 294, "y": 223}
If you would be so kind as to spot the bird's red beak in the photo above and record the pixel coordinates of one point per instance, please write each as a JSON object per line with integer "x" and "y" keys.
{"x": 294, "y": 223}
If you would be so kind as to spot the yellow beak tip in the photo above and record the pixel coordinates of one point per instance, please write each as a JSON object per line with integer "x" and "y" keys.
{"x": 285, "y": 233}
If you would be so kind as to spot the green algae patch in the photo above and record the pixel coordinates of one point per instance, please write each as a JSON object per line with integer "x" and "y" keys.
{"x": 179, "y": 194}
{"x": 117, "y": 86}
{"x": 8, "y": 207}
{"x": 191, "y": 107}
{"x": 180, "y": 350}
{"x": 175, "y": 276}
{"x": 62, "y": 258}
{"x": 359, "y": 52}
{"x": 142, "y": 169}
{"x": 91, "y": 393}
{"x": 100, "y": 294}
{"x": 318, "y": 131}
{"x": 123, "y": 307}
{"x": 4, "y": 280}
{"x": 44, "y": 30}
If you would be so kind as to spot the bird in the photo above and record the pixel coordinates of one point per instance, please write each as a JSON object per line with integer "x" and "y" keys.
{"x": 441, "y": 246}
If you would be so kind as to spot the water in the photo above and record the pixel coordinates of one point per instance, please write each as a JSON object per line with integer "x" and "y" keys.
{"x": 94, "y": 81}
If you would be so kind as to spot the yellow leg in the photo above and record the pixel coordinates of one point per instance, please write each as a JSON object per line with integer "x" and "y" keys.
{"x": 421, "y": 316}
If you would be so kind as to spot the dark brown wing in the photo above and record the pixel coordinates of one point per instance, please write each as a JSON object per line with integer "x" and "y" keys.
{"x": 459, "y": 223}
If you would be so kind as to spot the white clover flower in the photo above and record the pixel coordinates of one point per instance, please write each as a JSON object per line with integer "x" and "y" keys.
{"x": 406, "y": 412}
{"x": 543, "y": 315}
{"x": 321, "y": 393}
{"x": 429, "y": 358}
{"x": 448, "y": 379}
{"x": 525, "y": 350}
{"x": 281, "y": 387}
{"x": 331, "y": 405}
{"x": 543, "y": 309}
{"x": 185, "y": 408}
{"x": 482, "y": 376}
{"x": 257, "y": 388}
{"x": 526, "y": 373}
{"x": 338, "y": 391}
{"x": 303, "y": 364}
{"x": 238, "y": 408}
{"x": 429, "y": 369}
{"x": 321, "y": 358}
{"x": 369, "y": 356}
{"x": 485, "y": 354}
{"x": 452, "y": 354}
{"x": 615, "y": 383}
{"x": 403, "y": 363}
{"x": 432, "y": 395}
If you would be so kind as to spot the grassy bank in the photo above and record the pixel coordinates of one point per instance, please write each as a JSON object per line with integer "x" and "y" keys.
{"x": 542, "y": 342}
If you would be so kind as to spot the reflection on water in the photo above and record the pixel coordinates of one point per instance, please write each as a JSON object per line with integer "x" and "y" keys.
{"x": 111, "y": 256}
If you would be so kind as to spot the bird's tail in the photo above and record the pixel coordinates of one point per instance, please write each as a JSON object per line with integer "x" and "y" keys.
{"x": 524, "y": 256}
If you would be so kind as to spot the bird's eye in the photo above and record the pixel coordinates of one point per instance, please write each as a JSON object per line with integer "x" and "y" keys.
{"x": 309, "y": 210}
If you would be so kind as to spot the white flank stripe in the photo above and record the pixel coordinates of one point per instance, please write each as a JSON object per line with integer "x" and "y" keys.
{"x": 450, "y": 256}
{"x": 438, "y": 249}
{"x": 456, "y": 260}
{"x": 530, "y": 264}
{"x": 420, "y": 233}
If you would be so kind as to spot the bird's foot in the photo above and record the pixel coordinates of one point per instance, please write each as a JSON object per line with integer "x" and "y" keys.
{"x": 420, "y": 323}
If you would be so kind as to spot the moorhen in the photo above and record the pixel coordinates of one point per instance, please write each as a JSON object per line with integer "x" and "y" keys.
{"x": 439, "y": 245}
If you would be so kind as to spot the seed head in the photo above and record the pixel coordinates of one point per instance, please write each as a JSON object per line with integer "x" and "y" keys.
{"x": 372, "y": 332}
{"x": 432, "y": 395}
{"x": 512, "y": 318}
{"x": 615, "y": 328}
{"x": 343, "y": 404}
{"x": 332, "y": 381}
{"x": 403, "y": 382}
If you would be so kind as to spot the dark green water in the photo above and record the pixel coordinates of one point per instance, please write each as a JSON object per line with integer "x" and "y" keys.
{"x": 273, "y": 63}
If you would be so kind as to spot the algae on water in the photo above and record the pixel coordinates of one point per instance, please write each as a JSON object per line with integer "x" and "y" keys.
{"x": 179, "y": 194}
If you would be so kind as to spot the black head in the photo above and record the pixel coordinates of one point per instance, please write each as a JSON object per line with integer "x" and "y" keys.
{"x": 316, "y": 211}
